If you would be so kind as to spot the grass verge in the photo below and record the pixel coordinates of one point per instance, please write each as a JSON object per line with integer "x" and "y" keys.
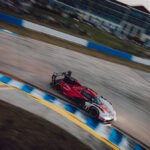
{"x": 72, "y": 46}
{"x": 20, "y": 129}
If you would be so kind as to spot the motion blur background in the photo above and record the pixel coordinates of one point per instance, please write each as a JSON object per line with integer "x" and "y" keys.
{"x": 108, "y": 23}
{"x": 123, "y": 22}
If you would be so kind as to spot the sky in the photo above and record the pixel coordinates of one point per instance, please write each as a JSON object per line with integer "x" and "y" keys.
{"x": 145, "y": 3}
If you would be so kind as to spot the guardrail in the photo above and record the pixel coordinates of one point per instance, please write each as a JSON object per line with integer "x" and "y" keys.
{"x": 89, "y": 44}
{"x": 107, "y": 132}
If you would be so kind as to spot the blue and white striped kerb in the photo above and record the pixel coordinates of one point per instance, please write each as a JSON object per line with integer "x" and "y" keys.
{"x": 105, "y": 131}
{"x": 3, "y": 30}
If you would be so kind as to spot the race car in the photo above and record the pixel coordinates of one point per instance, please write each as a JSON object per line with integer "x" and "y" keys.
{"x": 85, "y": 98}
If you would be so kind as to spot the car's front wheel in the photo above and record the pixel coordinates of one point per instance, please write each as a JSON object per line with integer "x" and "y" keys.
{"x": 93, "y": 112}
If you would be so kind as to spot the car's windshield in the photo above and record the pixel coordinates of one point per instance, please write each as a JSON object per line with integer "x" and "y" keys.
{"x": 96, "y": 100}
{"x": 87, "y": 95}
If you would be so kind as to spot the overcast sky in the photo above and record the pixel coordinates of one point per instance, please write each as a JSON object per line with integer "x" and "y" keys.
{"x": 146, "y": 3}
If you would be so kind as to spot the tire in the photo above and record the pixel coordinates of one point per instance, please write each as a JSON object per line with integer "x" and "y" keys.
{"x": 79, "y": 102}
{"x": 51, "y": 84}
{"x": 93, "y": 112}
{"x": 82, "y": 104}
{"x": 58, "y": 87}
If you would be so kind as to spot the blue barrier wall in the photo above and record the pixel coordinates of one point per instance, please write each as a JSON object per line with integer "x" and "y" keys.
{"x": 11, "y": 19}
{"x": 109, "y": 50}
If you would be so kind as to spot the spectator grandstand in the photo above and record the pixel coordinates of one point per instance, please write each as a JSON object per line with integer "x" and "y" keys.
{"x": 133, "y": 22}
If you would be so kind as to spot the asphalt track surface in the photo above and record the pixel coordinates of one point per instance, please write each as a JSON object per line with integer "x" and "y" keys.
{"x": 127, "y": 89}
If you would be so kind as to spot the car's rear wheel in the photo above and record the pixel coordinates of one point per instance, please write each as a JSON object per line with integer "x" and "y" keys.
{"x": 58, "y": 87}
{"x": 79, "y": 102}
{"x": 51, "y": 84}
{"x": 93, "y": 112}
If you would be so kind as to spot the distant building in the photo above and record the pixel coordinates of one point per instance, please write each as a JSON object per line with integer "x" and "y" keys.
{"x": 132, "y": 21}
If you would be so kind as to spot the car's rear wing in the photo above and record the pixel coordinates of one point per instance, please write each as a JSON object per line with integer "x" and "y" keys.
{"x": 59, "y": 74}
{"x": 55, "y": 75}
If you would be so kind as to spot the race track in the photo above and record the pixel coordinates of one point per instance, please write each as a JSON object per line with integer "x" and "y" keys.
{"x": 22, "y": 100}
{"x": 126, "y": 88}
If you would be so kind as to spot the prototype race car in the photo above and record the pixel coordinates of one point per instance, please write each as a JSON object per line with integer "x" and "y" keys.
{"x": 85, "y": 98}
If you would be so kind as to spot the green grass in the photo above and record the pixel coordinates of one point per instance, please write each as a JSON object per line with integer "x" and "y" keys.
{"x": 96, "y": 35}
{"x": 21, "y": 130}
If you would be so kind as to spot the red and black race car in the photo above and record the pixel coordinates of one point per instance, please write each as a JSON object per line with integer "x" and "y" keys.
{"x": 85, "y": 98}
